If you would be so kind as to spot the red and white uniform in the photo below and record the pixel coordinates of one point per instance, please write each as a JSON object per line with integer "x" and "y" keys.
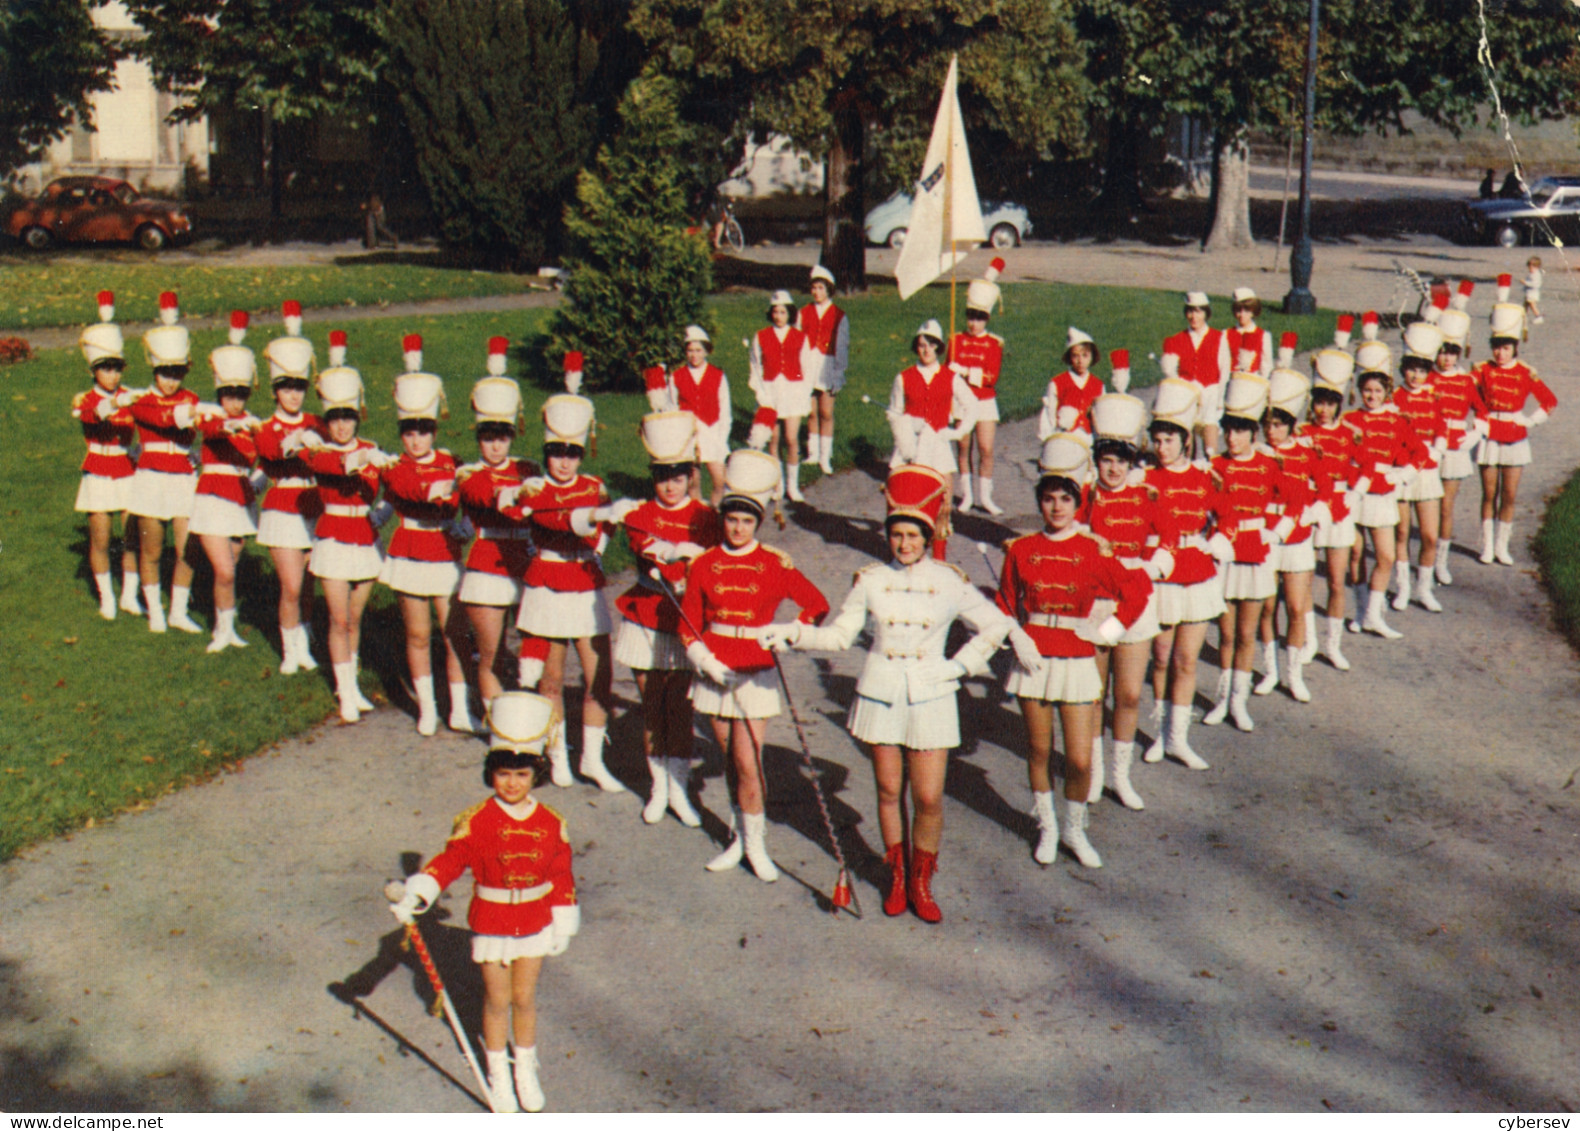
{"x": 1067, "y": 390}
{"x": 497, "y": 563}
{"x": 345, "y": 542}
{"x": 1424, "y": 412}
{"x": 562, "y": 597}
{"x": 1459, "y": 395}
{"x": 1336, "y": 471}
{"x": 1052, "y": 585}
{"x": 165, "y": 484}
{"x": 1204, "y": 359}
{"x": 1129, "y": 522}
{"x": 922, "y": 402}
{"x": 661, "y": 538}
{"x": 1256, "y": 496}
{"x": 730, "y": 595}
{"x": 1388, "y": 454}
{"x": 524, "y": 894}
{"x": 827, "y": 331}
{"x": 1299, "y": 461}
{"x": 422, "y": 558}
{"x": 107, "y": 468}
{"x": 291, "y": 506}
{"x": 979, "y": 358}
{"x": 776, "y": 377}
{"x": 1258, "y": 341}
{"x": 1505, "y": 391}
{"x": 1188, "y": 503}
{"x": 705, "y": 393}
{"x": 224, "y": 502}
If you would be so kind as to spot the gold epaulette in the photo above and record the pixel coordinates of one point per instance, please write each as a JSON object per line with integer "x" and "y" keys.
{"x": 867, "y": 569}
{"x": 565, "y": 834}
{"x": 463, "y": 823}
{"x": 958, "y": 572}
{"x": 1104, "y": 546}
{"x": 996, "y": 337}
{"x": 1011, "y": 542}
{"x": 784, "y": 558}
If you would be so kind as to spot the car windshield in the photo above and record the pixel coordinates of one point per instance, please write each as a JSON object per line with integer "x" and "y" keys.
{"x": 126, "y": 194}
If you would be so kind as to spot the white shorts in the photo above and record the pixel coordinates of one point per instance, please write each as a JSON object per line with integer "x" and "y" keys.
{"x": 1460, "y": 464}
{"x": 506, "y": 949}
{"x": 713, "y": 443}
{"x": 340, "y": 561}
{"x": 1296, "y": 557}
{"x": 646, "y": 649}
{"x": 1332, "y": 535}
{"x": 753, "y": 696}
{"x": 496, "y": 589}
{"x": 284, "y": 529}
{"x": 1378, "y": 510}
{"x": 557, "y": 615}
{"x": 933, "y": 725}
{"x": 987, "y": 410}
{"x": 1426, "y": 486}
{"x": 214, "y": 515}
{"x": 787, "y": 398}
{"x": 1063, "y": 680}
{"x": 1243, "y": 581}
{"x": 825, "y": 381}
{"x": 1189, "y": 604}
{"x": 420, "y": 579}
{"x": 1493, "y": 454}
{"x": 162, "y": 495}
{"x": 99, "y": 494}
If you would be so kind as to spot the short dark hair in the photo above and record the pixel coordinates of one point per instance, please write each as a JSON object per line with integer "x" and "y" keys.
{"x": 1049, "y": 484}
{"x": 241, "y": 392}
{"x": 496, "y": 430}
{"x": 501, "y": 758}
{"x": 420, "y": 424}
{"x": 899, "y": 519}
{"x": 1167, "y": 427}
{"x": 342, "y": 414}
{"x": 1279, "y": 416}
{"x": 557, "y": 449}
{"x": 663, "y": 471}
{"x": 1233, "y": 423}
{"x": 1124, "y": 449}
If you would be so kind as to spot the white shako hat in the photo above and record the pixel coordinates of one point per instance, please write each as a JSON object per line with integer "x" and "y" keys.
{"x": 567, "y": 419}
{"x": 1176, "y": 402}
{"x": 670, "y": 437}
{"x": 340, "y": 387}
{"x": 233, "y": 366}
{"x": 168, "y": 345}
{"x": 1332, "y": 369}
{"x": 1423, "y": 340}
{"x": 522, "y": 721}
{"x": 1246, "y": 396}
{"x": 1068, "y": 454}
{"x": 983, "y": 294}
{"x": 1455, "y": 321}
{"x": 289, "y": 358}
{"x": 103, "y": 341}
{"x": 752, "y": 476}
{"x": 419, "y": 396}
{"x": 1372, "y": 355}
{"x": 1118, "y": 416}
{"x": 1507, "y": 318}
{"x": 821, "y": 272}
{"x": 497, "y": 400}
{"x": 1288, "y": 390}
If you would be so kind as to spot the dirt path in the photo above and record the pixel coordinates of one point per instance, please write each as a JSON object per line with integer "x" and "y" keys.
{"x": 1369, "y": 903}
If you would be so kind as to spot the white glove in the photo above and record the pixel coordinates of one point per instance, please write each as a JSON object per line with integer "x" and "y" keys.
{"x": 1159, "y": 565}
{"x": 505, "y": 497}
{"x": 1268, "y": 535}
{"x": 686, "y": 551}
{"x": 1483, "y": 427}
{"x": 356, "y": 459}
{"x": 974, "y": 376}
{"x": 1352, "y": 499}
{"x": 616, "y": 511}
{"x": 1285, "y": 527}
{"x": 208, "y": 411}
{"x": 567, "y": 922}
{"x": 310, "y": 440}
{"x": 441, "y": 490}
{"x": 905, "y": 429}
{"x": 244, "y": 423}
{"x": 1220, "y": 547}
{"x": 185, "y": 415}
{"x": 1067, "y": 417}
{"x": 1027, "y": 654}
{"x": 780, "y": 637}
{"x": 421, "y": 890}
{"x": 1317, "y": 514}
{"x": 409, "y": 907}
{"x": 534, "y": 484}
{"x": 1137, "y": 476}
{"x": 125, "y": 398}
{"x": 1537, "y": 417}
{"x": 584, "y": 521}
{"x": 1111, "y": 630}
{"x": 105, "y": 408}
{"x": 709, "y": 665}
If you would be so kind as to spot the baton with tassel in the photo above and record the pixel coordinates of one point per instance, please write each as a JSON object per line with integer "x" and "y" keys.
{"x": 395, "y": 891}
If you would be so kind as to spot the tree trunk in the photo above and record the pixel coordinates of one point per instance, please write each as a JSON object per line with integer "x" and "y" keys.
{"x": 1231, "y": 193}
{"x": 844, "y": 240}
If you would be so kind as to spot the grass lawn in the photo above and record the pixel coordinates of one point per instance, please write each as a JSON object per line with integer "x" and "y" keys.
{"x": 97, "y": 718}
{"x": 45, "y": 292}
{"x": 1555, "y": 552}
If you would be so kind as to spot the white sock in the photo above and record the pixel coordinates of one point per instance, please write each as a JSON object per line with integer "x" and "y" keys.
{"x": 425, "y": 696}
{"x": 592, "y": 741}
{"x": 814, "y": 445}
{"x": 106, "y": 585}
{"x": 156, "y": 610}
{"x": 179, "y": 596}
{"x": 460, "y": 699}
{"x": 130, "y": 581}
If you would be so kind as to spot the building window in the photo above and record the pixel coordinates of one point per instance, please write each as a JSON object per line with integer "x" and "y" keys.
{"x": 81, "y": 144}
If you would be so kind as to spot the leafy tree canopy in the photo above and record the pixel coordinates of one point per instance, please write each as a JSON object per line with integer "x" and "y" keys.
{"x": 52, "y": 58}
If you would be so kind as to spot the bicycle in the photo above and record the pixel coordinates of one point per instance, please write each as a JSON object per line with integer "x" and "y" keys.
{"x": 728, "y": 230}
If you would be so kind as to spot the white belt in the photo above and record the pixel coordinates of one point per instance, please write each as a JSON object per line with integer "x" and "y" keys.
{"x": 739, "y": 631}
{"x": 1457, "y": 425}
{"x": 511, "y": 895}
{"x": 1194, "y": 542}
{"x": 504, "y": 533}
{"x": 1251, "y": 524}
{"x": 105, "y": 449}
{"x": 1506, "y": 417}
{"x": 573, "y": 556}
{"x": 223, "y": 469}
{"x": 1056, "y": 620}
{"x": 343, "y": 510}
{"x": 1132, "y": 563}
{"x": 295, "y": 482}
{"x": 423, "y": 524}
{"x": 166, "y": 446}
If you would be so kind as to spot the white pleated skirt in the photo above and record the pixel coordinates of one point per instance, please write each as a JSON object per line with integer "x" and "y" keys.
{"x": 341, "y": 561}
{"x": 1493, "y": 454}
{"x": 713, "y": 442}
{"x": 1189, "y": 604}
{"x": 494, "y": 589}
{"x": 1062, "y": 680}
{"x": 1460, "y": 464}
{"x": 506, "y": 948}
{"x": 284, "y": 529}
{"x": 1332, "y": 535}
{"x": 1426, "y": 486}
{"x": 1378, "y": 510}
{"x": 420, "y": 579}
{"x": 214, "y": 515}
{"x": 99, "y": 494}
{"x": 162, "y": 495}
{"x": 988, "y": 410}
{"x": 1147, "y": 625}
{"x": 1296, "y": 557}
{"x": 646, "y": 649}
{"x": 934, "y": 725}
{"x": 1245, "y": 582}
{"x": 787, "y": 398}
{"x": 559, "y": 615}
{"x": 750, "y": 696}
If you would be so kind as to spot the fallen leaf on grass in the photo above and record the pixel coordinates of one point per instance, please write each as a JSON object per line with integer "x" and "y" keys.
{"x": 68, "y": 640}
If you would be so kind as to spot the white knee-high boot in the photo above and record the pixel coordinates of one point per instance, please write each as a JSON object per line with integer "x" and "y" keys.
{"x": 1445, "y": 546}
{"x": 1423, "y": 588}
{"x": 1160, "y": 725}
{"x": 592, "y": 759}
{"x": 1297, "y": 678}
{"x": 1124, "y": 757}
{"x": 1269, "y": 681}
{"x": 1500, "y": 552}
{"x": 1239, "y": 701}
{"x": 1047, "y": 850}
{"x": 1488, "y": 534}
{"x": 1220, "y": 706}
{"x": 1401, "y": 584}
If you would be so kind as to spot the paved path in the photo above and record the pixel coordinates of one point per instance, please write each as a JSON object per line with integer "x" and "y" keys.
{"x": 1369, "y": 903}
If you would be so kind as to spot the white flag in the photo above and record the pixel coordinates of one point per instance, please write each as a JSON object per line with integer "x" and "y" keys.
{"x": 945, "y": 209}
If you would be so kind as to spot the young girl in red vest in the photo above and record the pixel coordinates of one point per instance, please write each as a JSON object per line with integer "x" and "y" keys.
{"x": 978, "y": 357}
{"x": 1199, "y": 354}
{"x": 827, "y": 330}
{"x": 702, "y": 389}
{"x": 923, "y": 402}
{"x": 1067, "y": 405}
{"x": 780, "y": 384}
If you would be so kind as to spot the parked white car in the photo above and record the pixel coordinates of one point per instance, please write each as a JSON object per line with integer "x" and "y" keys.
{"x": 1006, "y": 224}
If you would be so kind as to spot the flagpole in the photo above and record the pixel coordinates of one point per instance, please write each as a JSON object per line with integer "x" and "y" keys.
{"x": 949, "y": 204}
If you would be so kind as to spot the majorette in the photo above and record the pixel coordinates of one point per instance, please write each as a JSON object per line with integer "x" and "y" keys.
{"x": 930, "y": 407}
{"x": 978, "y": 356}
{"x": 827, "y": 330}
{"x": 107, "y": 429}
{"x": 780, "y": 384}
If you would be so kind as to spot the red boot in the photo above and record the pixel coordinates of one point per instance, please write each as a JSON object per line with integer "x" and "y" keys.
{"x": 895, "y": 903}
{"x": 923, "y": 865}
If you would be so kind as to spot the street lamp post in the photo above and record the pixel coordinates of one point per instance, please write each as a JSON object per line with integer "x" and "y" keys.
{"x": 1300, "y": 300}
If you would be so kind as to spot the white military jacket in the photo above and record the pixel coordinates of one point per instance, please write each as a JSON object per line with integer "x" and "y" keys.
{"x": 909, "y": 610}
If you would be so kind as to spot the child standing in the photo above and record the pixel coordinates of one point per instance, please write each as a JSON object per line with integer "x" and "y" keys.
{"x": 1533, "y": 289}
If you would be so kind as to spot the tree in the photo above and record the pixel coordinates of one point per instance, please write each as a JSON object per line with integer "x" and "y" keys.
{"x": 52, "y": 58}
{"x": 830, "y": 73}
{"x": 496, "y": 95}
{"x": 288, "y": 61}
{"x": 637, "y": 278}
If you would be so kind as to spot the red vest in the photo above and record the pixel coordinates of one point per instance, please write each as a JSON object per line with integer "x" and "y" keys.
{"x": 780, "y": 359}
{"x": 701, "y": 398}
{"x": 1253, "y": 340}
{"x": 1198, "y": 364}
{"x": 821, "y": 333}
{"x": 929, "y": 400}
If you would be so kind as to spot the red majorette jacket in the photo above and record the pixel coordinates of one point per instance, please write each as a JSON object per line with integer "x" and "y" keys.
{"x": 1458, "y": 394}
{"x": 504, "y": 544}
{"x": 424, "y": 531}
{"x": 1188, "y": 502}
{"x": 1066, "y": 392}
{"x": 107, "y": 437}
{"x": 1299, "y": 462}
{"x": 1337, "y": 468}
{"x": 1505, "y": 391}
{"x": 1384, "y": 441}
{"x": 224, "y": 461}
{"x": 566, "y": 562}
{"x": 983, "y": 351}
{"x": 291, "y": 486}
{"x": 1424, "y": 411}
{"x": 166, "y": 447}
{"x": 1256, "y": 495}
{"x": 521, "y": 868}
{"x": 347, "y": 498}
{"x": 1206, "y": 364}
{"x": 1128, "y": 520}
{"x": 730, "y": 594}
{"x": 1051, "y": 581}
{"x": 654, "y": 532}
